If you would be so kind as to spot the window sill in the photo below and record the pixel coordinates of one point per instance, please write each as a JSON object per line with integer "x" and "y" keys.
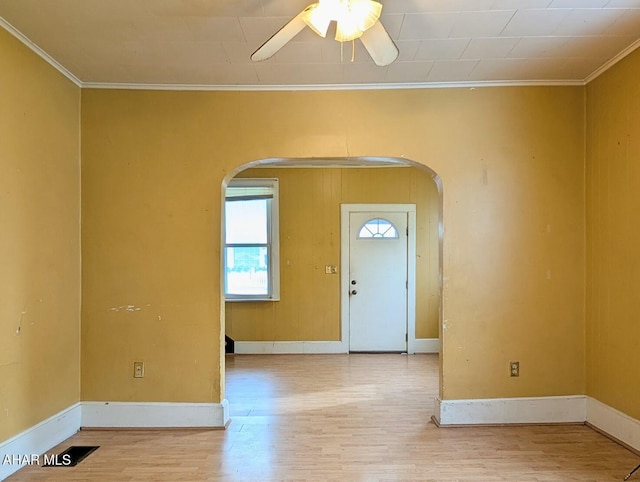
{"x": 245, "y": 300}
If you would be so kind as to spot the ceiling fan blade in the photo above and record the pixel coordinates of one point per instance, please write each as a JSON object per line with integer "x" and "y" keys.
{"x": 280, "y": 38}
{"x": 382, "y": 49}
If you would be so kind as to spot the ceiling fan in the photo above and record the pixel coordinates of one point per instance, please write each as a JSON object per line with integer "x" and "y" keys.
{"x": 354, "y": 19}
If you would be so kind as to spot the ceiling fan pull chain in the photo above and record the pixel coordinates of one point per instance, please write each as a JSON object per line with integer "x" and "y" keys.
{"x": 353, "y": 50}
{"x": 341, "y": 52}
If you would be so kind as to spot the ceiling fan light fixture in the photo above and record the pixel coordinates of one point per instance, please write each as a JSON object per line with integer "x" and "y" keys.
{"x": 352, "y": 17}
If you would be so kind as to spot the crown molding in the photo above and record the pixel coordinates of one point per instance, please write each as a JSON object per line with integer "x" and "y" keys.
{"x": 607, "y": 65}
{"x": 316, "y": 87}
{"x": 38, "y": 51}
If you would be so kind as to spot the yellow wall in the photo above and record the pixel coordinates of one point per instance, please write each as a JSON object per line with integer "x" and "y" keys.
{"x": 310, "y": 200}
{"x": 613, "y": 236}
{"x": 512, "y": 165}
{"x": 40, "y": 239}
{"x": 511, "y": 161}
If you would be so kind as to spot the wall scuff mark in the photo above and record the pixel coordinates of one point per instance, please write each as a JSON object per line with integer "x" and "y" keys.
{"x": 22, "y": 315}
{"x": 126, "y": 308}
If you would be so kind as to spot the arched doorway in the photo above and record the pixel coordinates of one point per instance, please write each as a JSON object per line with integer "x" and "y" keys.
{"x": 356, "y": 177}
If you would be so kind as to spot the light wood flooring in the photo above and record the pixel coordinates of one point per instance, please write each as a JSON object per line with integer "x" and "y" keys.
{"x": 341, "y": 417}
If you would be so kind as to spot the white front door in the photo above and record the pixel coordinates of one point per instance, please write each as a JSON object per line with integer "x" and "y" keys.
{"x": 378, "y": 281}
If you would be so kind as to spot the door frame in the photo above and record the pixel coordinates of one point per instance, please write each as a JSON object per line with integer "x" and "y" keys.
{"x": 345, "y": 210}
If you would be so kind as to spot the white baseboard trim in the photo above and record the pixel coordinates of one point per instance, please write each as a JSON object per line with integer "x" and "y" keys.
{"x": 565, "y": 409}
{"x": 39, "y": 438}
{"x": 420, "y": 345}
{"x": 614, "y": 423}
{"x": 289, "y": 347}
{"x": 154, "y": 415}
{"x": 426, "y": 345}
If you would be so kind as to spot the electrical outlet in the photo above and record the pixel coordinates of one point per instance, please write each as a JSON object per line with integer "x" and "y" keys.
{"x": 514, "y": 367}
{"x": 138, "y": 369}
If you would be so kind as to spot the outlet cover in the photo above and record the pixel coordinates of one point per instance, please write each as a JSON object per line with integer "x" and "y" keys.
{"x": 514, "y": 367}
{"x": 138, "y": 369}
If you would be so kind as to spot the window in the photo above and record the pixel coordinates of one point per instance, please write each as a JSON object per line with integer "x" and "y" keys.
{"x": 378, "y": 228}
{"x": 251, "y": 252}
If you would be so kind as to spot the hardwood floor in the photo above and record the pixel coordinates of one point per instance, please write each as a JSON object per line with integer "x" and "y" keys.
{"x": 341, "y": 417}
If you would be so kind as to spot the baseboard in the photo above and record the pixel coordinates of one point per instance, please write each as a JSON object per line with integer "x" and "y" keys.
{"x": 420, "y": 345}
{"x": 36, "y": 440}
{"x": 614, "y": 423}
{"x": 289, "y": 347}
{"x": 426, "y": 345}
{"x": 154, "y": 415}
{"x": 565, "y": 409}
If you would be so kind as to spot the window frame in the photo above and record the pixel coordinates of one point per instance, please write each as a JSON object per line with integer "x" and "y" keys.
{"x": 273, "y": 240}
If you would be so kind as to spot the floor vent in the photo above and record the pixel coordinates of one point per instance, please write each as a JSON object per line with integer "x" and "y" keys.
{"x": 70, "y": 457}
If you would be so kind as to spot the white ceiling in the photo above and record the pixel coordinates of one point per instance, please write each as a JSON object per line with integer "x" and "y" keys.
{"x": 207, "y": 43}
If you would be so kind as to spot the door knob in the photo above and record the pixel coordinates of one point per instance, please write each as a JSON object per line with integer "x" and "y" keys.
{"x": 354, "y": 292}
